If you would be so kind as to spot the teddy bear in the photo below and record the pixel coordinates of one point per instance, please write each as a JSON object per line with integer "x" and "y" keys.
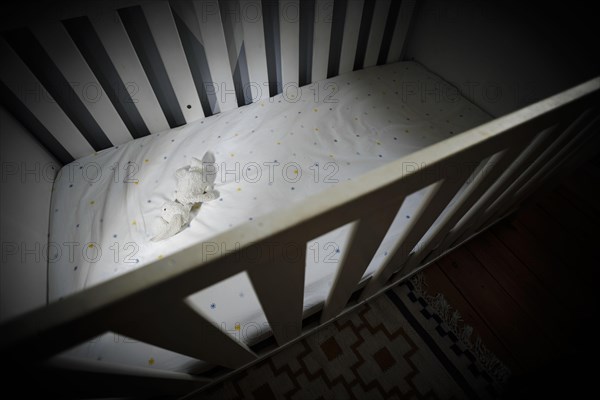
{"x": 195, "y": 183}
{"x": 173, "y": 216}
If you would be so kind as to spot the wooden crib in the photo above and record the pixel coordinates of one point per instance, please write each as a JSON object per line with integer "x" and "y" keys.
{"x": 505, "y": 161}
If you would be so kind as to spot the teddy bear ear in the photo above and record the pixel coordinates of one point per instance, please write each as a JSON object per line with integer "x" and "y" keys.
{"x": 209, "y": 168}
{"x": 208, "y": 158}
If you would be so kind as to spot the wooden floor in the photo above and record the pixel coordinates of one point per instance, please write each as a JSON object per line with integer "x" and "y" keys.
{"x": 529, "y": 287}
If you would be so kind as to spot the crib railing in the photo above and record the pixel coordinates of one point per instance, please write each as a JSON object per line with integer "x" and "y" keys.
{"x": 503, "y": 161}
{"x": 92, "y": 75}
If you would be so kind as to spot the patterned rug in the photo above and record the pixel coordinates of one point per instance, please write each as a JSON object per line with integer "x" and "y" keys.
{"x": 404, "y": 343}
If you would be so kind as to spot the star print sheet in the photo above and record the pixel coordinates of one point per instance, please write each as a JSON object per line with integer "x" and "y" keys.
{"x": 270, "y": 154}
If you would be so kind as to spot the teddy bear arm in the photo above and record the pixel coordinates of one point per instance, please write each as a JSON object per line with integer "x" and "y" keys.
{"x": 164, "y": 229}
{"x": 180, "y": 173}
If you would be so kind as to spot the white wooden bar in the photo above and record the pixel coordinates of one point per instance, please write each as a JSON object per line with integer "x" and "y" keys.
{"x": 231, "y": 18}
{"x": 576, "y": 153}
{"x": 21, "y": 81}
{"x": 321, "y": 39}
{"x": 254, "y": 43}
{"x": 380, "y": 13}
{"x": 165, "y": 35}
{"x": 552, "y": 145}
{"x": 215, "y": 47}
{"x": 350, "y": 37}
{"x": 289, "y": 36}
{"x": 401, "y": 30}
{"x": 470, "y": 222}
{"x": 561, "y": 156}
{"x": 578, "y": 157}
{"x": 119, "y": 48}
{"x": 585, "y": 127}
{"x": 177, "y": 327}
{"x": 53, "y": 36}
{"x": 279, "y": 285}
{"x": 367, "y": 234}
{"x": 186, "y": 11}
{"x": 436, "y": 201}
{"x": 483, "y": 180}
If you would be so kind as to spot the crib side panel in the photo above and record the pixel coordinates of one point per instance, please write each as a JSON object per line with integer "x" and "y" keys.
{"x": 533, "y": 158}
{"x": 559, "y": 153}
{"x": 488, "y": 173}
{"x": 173, "y": 62}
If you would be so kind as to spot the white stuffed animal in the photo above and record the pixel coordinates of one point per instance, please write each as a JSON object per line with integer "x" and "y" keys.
{"x": 173, "y": 217}
{"x": 195, "y": 183}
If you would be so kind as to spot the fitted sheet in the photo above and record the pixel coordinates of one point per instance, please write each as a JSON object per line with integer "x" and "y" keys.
{"x": 270, "y": 154}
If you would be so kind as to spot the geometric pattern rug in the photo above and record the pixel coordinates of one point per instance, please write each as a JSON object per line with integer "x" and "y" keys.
{"x": 401, "y": 344}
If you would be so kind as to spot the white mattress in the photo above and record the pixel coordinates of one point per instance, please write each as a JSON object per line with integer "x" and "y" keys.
{"x": 270, "y": 154}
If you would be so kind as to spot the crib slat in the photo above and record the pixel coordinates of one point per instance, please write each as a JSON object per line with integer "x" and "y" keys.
{"x": 177, "y": 327}
{"x": 468, "y": 224}
{"x": 116, "y": 42}
{"x": 382, "y": 8}
{"x": 562, "y": 155}
{"x": 63, "y": 51}
{"x": 573, "y": 155}
{"x": 540, "y": 155}
{"x": 367, "y": 234}
{"x": 213, "y": 38}
{"x": 400, "y": 31}
{"x": 164, "y": 32}
{"x": 279, "y": 286}
{"x": 21, "y": 81}
{"x": 482, "y": 182}
{"x": 585, "y": 149}
{"x": 289, "y": 36}
{"x": 544, "y": 153}
{"x": 321, "y": 39}
{"x": 234, "y": 38}
{"x": 350, "y": 37}
{"x": 439, "y": 197}
{"x": 559, "y": 164}
{"x": 254, "y": 44}
{"x": 557, "y": 153}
